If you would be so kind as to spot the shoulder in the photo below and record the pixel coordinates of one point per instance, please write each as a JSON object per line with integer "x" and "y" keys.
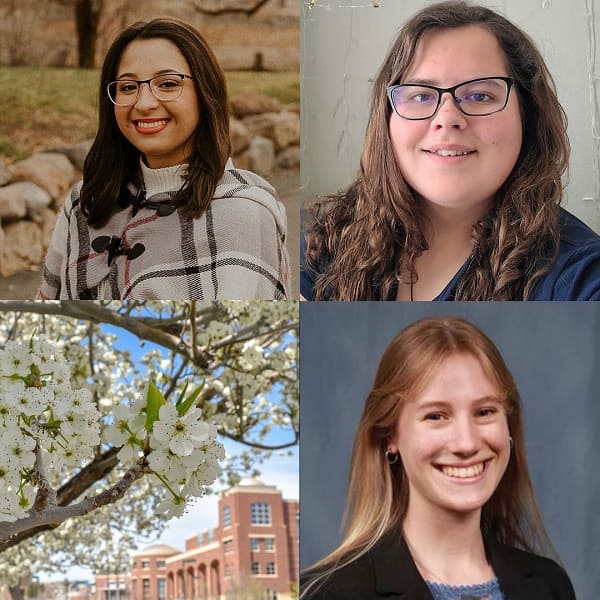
{"x": 575, "y": 275}
{"x": 353, "y": 580}
{"x": 243, "y": 196}
{"x": 517, "y": 568}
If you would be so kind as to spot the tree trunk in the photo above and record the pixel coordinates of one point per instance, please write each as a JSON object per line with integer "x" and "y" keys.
{"x": 16, "y": 592}
{"x": 87, "y": 17}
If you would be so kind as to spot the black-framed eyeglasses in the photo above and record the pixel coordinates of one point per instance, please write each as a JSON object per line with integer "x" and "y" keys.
{"x": 475, "y": 98}
{"x": 167, "y": 87}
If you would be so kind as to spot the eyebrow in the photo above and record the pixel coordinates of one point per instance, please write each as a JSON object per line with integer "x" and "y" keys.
{"x": 161, "y": 72}
{"x": 430, "y": 404}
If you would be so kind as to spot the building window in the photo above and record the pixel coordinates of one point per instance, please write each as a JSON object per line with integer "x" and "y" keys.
{"x": 254, "y": 546}
{"x": 269, "y": 544}
{"x": 145, "y": 564}
{"x": 270, "y": 595}
{"x": 160, "y": 564}
{"x": 226, "y": 517}
{"x": 255, "y": 569}
{"x": 270, "y": 568}
{"x": 145, "y": 588}
{"x": 260, "y": 513}
{"x": 162, "y": 588}
{"x": 228, "y": 546}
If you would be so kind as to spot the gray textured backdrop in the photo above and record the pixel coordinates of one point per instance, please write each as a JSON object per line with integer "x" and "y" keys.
{"x": 553, "y": 351}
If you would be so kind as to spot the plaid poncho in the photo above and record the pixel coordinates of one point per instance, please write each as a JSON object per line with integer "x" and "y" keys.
{"x": 235, "y": 250}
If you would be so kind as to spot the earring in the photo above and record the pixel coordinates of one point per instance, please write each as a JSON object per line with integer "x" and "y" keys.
{"x": 512, "y": 444}
{"x": 391, "y": 457}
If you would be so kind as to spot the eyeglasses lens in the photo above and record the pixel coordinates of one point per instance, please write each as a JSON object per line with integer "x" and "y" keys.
{"x": 163, "y": 87}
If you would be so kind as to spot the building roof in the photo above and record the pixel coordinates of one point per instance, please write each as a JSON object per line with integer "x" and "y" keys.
{"x": 253, "y": 484}
{"x": 157, "y": 549}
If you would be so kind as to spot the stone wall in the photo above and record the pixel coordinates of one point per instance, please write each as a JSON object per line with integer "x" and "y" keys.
{"x": 265, "y": 137}
{"x": 269, "y": 38}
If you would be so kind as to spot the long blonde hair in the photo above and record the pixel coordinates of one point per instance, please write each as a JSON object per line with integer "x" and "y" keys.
{"x": 377, "y": 497}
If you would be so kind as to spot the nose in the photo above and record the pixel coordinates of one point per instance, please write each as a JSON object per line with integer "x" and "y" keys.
{"x": 145, "y": 98}
{"x": 448, "y": 115}
{"x": 465, "y": 438}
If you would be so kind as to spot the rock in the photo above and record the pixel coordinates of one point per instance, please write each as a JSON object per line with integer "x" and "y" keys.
{"x": 240, "y": 138}
{"x": 77, "y": 153}
{"x": 5, "y": 174}
{"x": 12, "y": 206}
{"x": 27, "y": 195}
{"x": 47, "y": 224}
{"x": 61, "y": 162}
{"x": 283, "y": 128}
{"x": 250, "y": 103}
{"x": 21, "y": 248}
{"x": 288, "y": 158}
{"x": 44, "y": 173}
{"x": 293, "y": 107}
{"x": 261, "y": 155}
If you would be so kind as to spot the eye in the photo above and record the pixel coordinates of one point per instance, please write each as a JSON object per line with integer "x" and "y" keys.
{"x": 434, "y": 416}
{"x": 479, "y": 98}
{"x": 127, "y": 87}
{"x": 168, "y": 85}
{"x": 421, "y": 97}
{"x": 487, "y": 411}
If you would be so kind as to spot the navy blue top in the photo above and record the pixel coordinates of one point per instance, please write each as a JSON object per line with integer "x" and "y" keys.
{"x": 575, "y": 275}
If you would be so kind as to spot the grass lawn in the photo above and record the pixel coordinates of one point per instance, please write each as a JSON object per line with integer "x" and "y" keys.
{"x": 43, "y": 108}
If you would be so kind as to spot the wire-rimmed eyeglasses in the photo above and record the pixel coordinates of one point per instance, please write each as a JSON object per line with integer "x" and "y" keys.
{"x": 475, "y": 98}
{"x": 166, "y": 87}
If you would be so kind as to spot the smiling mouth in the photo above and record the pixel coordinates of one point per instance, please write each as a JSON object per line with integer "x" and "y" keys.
{"x": 463, "y": 472}
{"x": 150, "y": 124}
{"x": 450, "y": 152}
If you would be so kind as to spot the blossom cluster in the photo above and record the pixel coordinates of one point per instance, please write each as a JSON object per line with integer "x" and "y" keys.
{"x": 178, "y": 447}
{"x": 44, "y": 422}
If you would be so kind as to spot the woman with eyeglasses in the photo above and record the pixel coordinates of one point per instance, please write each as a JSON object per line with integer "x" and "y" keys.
{"x": 440, "y": 504}
{"x": 162, "y": 213}
{"x": 459, "y": 187}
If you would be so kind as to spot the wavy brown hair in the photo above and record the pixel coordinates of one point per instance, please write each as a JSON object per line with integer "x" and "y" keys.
{"x": 377, "y": 498}
{"x": 364, "y": 240}
{"x": 113, "y": 161}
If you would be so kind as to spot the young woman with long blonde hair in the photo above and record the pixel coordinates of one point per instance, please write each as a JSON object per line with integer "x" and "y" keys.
{"x": 440, "y": 504}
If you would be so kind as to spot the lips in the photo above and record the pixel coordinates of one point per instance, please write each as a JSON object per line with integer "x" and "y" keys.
{"x": 150, "y": 125}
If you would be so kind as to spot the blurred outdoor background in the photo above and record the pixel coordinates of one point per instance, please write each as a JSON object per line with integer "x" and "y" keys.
{"x": 50, "y": 54}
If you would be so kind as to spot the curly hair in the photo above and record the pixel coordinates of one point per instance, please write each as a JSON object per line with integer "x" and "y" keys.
{"x": 112, "y": 161}
{"x": 364, "y": 240}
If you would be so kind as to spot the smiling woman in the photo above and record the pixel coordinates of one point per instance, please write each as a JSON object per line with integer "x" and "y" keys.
{"x": 460, "y": 180}
{"x": 162, "y": 213}
{"x": 440, "y": 503}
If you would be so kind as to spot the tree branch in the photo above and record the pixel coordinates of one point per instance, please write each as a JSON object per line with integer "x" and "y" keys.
{"x": 229, "y": 9}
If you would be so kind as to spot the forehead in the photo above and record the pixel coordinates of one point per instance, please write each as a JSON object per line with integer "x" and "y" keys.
{"x": 148, "y": 57}
{"x": 449, "y": 56}
{"x": 459, "y": 377}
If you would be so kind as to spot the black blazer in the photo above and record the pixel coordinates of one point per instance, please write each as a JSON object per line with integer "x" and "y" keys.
{"x": 388, "y": 571}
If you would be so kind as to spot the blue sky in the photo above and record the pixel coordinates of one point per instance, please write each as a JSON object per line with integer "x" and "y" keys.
{"x": 280, "y": 470}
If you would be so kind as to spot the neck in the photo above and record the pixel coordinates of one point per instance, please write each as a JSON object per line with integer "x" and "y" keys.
{"x": 447, "y": 546}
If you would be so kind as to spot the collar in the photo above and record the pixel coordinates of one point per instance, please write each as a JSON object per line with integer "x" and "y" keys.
{"x": 160, "y": 181}
{"x": 396, "y": 575}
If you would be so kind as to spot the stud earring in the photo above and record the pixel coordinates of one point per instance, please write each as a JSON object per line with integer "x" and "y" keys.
{"x": 512, "y": 443}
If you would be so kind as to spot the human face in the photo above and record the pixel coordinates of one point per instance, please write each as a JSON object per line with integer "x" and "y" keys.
{"x": 161, "y": 131}
{"x": 445, "y": 58}
{"x": 453, "y": 439}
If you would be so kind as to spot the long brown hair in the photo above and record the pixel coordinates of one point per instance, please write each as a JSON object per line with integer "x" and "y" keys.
{"x": 377, "y": 497}
{"x": 113, "y": 162}
{"x": 363, "y": 240}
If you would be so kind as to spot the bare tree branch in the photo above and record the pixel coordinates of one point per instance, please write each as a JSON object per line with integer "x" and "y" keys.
{"x": 226, "y": 7}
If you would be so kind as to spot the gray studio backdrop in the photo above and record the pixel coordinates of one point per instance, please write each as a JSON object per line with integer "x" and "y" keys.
{"x": 553, "y": 351}
{"x": 345, "y": 41}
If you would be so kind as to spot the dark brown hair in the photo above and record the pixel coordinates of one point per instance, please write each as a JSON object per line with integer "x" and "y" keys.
{"x": 113, "y": 162}
{"x": 365, "y": 239}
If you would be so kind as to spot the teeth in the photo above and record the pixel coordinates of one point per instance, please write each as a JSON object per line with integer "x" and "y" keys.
{"x": 463, "y": 472}
{"x": 146, "y": 125}
{"x": 450, "y": 152}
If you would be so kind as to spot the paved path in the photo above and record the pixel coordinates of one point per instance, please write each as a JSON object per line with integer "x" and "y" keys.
{"x": 24, "y": 285}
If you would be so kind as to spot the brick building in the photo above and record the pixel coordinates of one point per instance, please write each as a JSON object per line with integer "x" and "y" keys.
{"x": 253, "y": 547}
